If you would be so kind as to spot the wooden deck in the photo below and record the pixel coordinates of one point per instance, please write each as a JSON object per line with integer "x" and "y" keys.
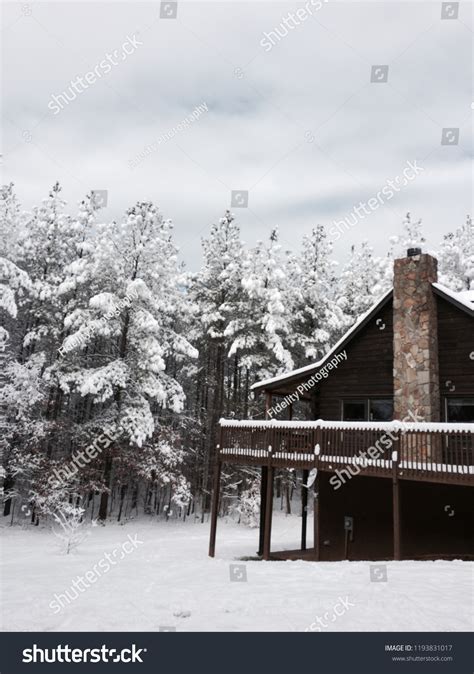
{"x": 408, "y": 451}
{"x": 439, "y": 453}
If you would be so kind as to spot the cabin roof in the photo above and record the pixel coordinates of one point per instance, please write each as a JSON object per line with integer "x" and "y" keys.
{"x": 463, "y": 300}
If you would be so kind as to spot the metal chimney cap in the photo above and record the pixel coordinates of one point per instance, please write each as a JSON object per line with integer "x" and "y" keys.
{"x": 412, "y": 252}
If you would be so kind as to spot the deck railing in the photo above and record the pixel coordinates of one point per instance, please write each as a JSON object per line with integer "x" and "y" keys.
{"x": 430, "y": 451}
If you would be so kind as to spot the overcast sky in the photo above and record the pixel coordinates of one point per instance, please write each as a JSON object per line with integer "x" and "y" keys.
{"x": 299, "y": 126}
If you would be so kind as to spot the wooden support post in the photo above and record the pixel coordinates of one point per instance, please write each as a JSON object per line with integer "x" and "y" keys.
{"x": 268, "y": 514}
{"x": 317, "y": 438}
{"x": 290, "y": 412}
{"x": 263, "y": 495}
{"x": 304, "y": 509}
{"x": 268, "y": 405}
{"x": 396, "y": 504}
{"x": 264, "y": 484}
{"x": 215, "y": 507}
{"x": 396, "y": 520}
{"x": 316, "y": 521}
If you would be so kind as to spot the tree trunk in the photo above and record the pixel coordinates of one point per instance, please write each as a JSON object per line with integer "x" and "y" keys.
{"x": 104, "y": 497}
{"x": 8, "y": 484}
{"x": 123, "y": 491}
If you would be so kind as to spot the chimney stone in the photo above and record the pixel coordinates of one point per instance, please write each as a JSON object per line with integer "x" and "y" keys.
{"x": 415, "y": 327}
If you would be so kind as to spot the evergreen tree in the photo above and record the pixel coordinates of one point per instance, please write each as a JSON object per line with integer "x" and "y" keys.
{"x": 316, "y": 318}
{"x": 412, "y": 236}
{"x": 456, "y": 258}
{"x": 363, "y": 281}
{"x": 214, "y": 295}
{"x": 260, "y": 331}
{"x": 128, "y": 331}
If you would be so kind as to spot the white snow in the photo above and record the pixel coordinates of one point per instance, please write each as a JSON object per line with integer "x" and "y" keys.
{"x": 422, "y": 426}
{"x": 387, "y": 463}
{"x": 170, "y": 581}
{"x": 300, "y": 456}
{"x": 357, "y": 460}
{"x": 245, "y": 451}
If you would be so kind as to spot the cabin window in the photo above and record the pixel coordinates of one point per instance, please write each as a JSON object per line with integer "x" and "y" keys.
{"x": 369, "y": 409}
{"x": 354, "y": 410}
{"x": 381, "y": 409}
{"x": 460, "y": 410}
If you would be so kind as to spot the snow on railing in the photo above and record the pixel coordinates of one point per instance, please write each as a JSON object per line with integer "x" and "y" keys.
{"x": 421, "y": 426}
{"x": 409, "y": 465}
{"x": 245, "y": 451}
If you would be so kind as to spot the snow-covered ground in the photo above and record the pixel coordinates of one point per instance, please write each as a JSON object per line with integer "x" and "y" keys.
{"x": 168, "y": 581}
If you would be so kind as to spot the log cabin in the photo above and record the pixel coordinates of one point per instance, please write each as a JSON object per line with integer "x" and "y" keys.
{"x": 386, "y": 447}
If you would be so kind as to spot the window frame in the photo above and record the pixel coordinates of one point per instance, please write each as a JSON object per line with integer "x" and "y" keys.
{"x": 367, "y": 403}
{"x": 381, "y": 399}
{"x": 344, "y": 401}
{"x": 449, "y": 399}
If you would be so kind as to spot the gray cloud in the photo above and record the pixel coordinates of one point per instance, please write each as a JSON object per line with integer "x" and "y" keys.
{"x": 261, "y": 108}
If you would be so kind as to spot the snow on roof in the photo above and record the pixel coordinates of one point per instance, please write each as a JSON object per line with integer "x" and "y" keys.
{"x": 333, "y": 351}
{"x": 465, "y": 298}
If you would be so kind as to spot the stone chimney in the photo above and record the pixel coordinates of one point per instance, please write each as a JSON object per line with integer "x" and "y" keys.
{"x": 415, "y": 330}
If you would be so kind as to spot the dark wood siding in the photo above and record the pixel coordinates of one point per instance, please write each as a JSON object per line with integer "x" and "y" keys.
{"x": 455, "y": 346}
{"x": 368, "y": 370}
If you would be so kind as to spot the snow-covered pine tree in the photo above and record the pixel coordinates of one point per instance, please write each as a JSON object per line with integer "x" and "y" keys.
{"x": 412, "y": 236}
{"x": 43, "y": 245}
{"x": 364, "y": 279}
{"x": 316, "y": 318}
{"x": 129, "y": 332}
{"x": 214, "y": 294}
{"x": 456, "y": 258}
{"x": 260, "y": 331}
